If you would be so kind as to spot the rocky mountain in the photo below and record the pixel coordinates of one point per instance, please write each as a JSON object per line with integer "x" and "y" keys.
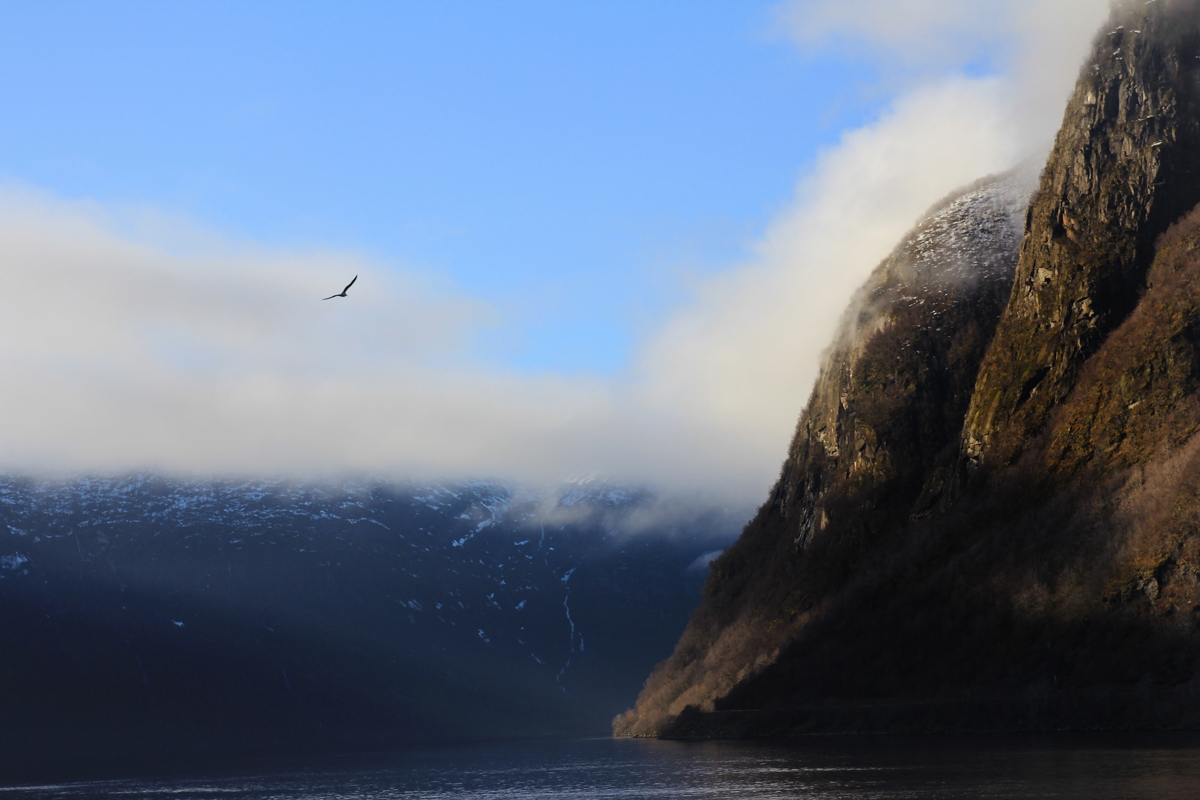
{"x": 145, "y": 616}
{"x": 1124, "y": 168}
{"x": 988, "y": 516}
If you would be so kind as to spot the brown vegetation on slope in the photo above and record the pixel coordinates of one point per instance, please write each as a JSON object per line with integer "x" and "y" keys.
{"x": 1060, "y": 590}
{"x": 1126, "y": 164}
{"x": 1137, "y": 396}
{"x": 875, "y": 445}
{"x": 1065, "y": 593}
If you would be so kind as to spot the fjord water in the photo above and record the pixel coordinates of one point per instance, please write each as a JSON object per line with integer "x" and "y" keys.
{"x": 1096, "y": 767}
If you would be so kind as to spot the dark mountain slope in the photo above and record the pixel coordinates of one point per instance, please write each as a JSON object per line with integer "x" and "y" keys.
{"x": 1063, "y": 593}
{"x": 876, "y": 445}
{"x": 1056, "y": 586}
{"x": 146, "y": 618}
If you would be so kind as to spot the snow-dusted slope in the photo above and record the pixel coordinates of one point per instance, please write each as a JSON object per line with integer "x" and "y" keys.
{"x": 363, "y": 614}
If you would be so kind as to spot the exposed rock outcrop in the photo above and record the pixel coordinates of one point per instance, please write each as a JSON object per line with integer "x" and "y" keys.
{"x": 989, "y": 516}
{"x": 875, "y": 446}
{"x": 1125, "y": 166}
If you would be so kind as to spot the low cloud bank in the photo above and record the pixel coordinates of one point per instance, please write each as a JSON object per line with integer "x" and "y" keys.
{"x": 176, "y": 351}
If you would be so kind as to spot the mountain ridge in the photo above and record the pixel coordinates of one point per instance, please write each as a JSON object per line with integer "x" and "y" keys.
{"x": 935, "y": 278}
{"x": 150, "y": 618}
{"x": 1125, "y": 166}
{"x": 1034, "y": 565}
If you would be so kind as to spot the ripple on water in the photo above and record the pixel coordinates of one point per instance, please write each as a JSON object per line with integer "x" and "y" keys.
{"x": 1095, "y": 767}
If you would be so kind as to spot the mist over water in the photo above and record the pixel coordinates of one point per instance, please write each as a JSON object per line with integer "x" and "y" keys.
{"x": 1096, "y": 767}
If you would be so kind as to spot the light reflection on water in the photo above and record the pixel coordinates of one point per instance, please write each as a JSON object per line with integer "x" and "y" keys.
{"x": 848, "y": 768}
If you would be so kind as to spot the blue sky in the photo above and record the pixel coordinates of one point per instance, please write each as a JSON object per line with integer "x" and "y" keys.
{"x": 568, "y": 162}
{"x": 594, "y": 238}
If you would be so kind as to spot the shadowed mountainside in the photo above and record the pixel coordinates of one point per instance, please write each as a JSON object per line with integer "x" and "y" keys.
{"x": 877, "y": 444}
{"x": 148, "y": 619}
{"x": 1006, "y": 539}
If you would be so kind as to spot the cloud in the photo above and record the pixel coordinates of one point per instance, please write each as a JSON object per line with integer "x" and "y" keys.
{"x": 925, "y": 33}
{"x": 1037, "y": 46}
{"x": 742, "y": 358}
{"x": 136, "y": 341}
{"x": 940, "y": 33}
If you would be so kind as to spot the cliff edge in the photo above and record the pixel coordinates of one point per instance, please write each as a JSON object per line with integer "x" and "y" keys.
{"x": 989, "y": 516}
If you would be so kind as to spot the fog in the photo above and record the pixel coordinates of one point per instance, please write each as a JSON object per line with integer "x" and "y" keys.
{"x": 137, "y": 341}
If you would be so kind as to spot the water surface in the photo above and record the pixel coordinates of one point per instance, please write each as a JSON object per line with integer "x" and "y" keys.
{"x": 1146, "y": 767}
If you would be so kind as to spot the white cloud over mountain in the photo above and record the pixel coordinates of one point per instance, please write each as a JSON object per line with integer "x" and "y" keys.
{"x": 157, "y": 346}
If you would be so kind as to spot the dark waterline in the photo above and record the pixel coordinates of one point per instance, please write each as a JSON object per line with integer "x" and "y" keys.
{"x": 1096, "y": 767}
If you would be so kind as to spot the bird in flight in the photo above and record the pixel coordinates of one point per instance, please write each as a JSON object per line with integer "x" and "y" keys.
{"x": 343, "y": 292}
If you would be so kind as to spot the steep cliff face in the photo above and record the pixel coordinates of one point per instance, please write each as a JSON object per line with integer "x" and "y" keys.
{"x": 1064, "y": 592}
{"x": 1125, "y": 166}
{"x": 894, "y": 385}
{"x": 874, "y": 447}
{"x": 1059, "y": 584}
{"x": 1136, "y": 400}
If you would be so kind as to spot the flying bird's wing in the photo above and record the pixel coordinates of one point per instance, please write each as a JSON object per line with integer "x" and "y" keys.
{"x": 343, "y": 292}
